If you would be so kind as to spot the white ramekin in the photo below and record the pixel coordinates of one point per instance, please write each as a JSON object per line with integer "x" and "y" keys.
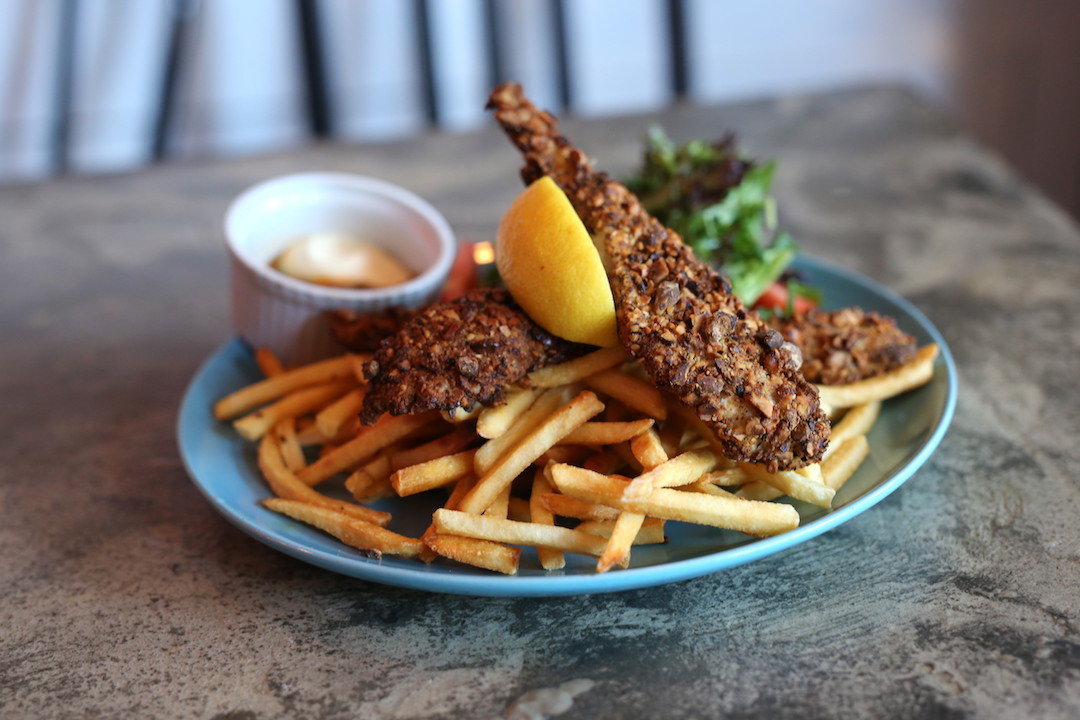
{"x": 271, "y": 309}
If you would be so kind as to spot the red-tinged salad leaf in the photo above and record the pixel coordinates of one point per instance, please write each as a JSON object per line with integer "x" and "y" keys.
{"x": 721, "y": 203}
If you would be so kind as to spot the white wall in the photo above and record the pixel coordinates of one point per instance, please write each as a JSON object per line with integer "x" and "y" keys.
{"x": 241, "y": 90}
{"x": 745, "y": 48}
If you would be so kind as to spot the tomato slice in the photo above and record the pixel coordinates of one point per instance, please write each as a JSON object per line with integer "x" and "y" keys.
{"x": 776, "y": 296}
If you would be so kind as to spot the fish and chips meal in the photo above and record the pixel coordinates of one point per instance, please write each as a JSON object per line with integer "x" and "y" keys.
{"x": 612, "y": 384}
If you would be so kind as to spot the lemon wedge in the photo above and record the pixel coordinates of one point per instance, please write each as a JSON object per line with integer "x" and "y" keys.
{"x": 552, "y": 268}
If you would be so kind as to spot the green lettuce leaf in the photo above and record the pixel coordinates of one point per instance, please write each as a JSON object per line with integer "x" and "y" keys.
{"x": 721, "y": 204}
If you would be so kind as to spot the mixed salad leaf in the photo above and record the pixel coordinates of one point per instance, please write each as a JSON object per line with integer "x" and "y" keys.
{"x": 721, "y": 203}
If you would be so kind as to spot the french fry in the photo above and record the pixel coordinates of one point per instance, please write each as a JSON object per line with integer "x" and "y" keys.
{"x": 268, "y": 362}
{"x": 518, "y": 509}
{"x": 550, "y": 558}
{"x": 805, "y": 486}
{"x": 547, "y": 433}
{"x": 856, "y": 421}
{"x": 759, "y": 490}
{"x": 370, "y": 481}
{"x": 375, "y": 490}
{"x": 812, "y": 472}
{"x": 500, "y": 507}
{"x": 456, "y": 522}
{"x": 671, "y": 433}
{"x": 615, "y": 411}
{"x": 710, "y": 489}
{"x": 651, "y": 532}
{"x": 495, "y": 448}
{"x": 494, "y": 421}
{"x": 379, "y": 491}
{"x": 328, "y": 448}
{"x": 389, "y": 429}
{"x": 291, "y": 452}
{"x": 285, "y": 484}
{"x": 452, "y": 442}
{"x": 330, "y": 419}
{"x": 258, "y": 423}
{"x": 747, "y": 516}
{"x": 607, "y": 433}
{"x": 752, "y": 489}
{"x": 461, "y": 488}
{"x": 577, "y": 369}
{"x": 695, "y": 426}
{"x": 472, "y": 551}
{"x": 308, "y": 433}
{"x": 631, "y": 391}
{"x": 573, "y": 454}
{"x": 617, "y": 549}
{"x": 460, "y": 414}
{"x": 906, "y": 377}
{"x": 842, "y": 464}
{"x": 679, "y": 470}
{"x": 265, "y": 391}
{"x": 605, "y": 462}
{"x": 628, "y": 464}
{"x": 572, "y": 507}
{"x": 431, "y": 474}
{"x": 352, "y": 532}
{"x": 724, "y": 477}
{"x": 648, "y": 449}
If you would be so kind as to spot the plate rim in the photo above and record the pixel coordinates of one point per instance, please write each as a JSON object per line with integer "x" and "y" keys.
{"x": 477, "y": 582}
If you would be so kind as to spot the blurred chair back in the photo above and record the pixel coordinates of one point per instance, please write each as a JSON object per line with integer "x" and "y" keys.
{"x": 131, "y": 82}
{"x": 456, "y": 50}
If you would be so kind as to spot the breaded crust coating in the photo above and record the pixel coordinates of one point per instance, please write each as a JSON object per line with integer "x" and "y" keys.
{"x": 458, "y": 354}
{"x": 846, "y": 345}
{"x": 362, "y": 332}
{"x": 676, "y": 315}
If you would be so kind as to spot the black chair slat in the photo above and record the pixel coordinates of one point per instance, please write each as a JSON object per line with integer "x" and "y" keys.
{"x": 318, "y": 106}
{"x": 496, "y": 68}
{"x": 67, "y": 30}
{"x": 426, "y": 51}
{"x": 560, "y": 23}
{"x": 680, "y": 75}
{"x": 181, "y": 16}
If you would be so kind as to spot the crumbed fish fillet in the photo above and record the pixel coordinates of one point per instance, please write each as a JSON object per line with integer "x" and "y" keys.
{"x": 847, "y": 345}
{"x": 676, "y": 315}
{"x": 458, "y": 354}
{"x": 363, "y": 332}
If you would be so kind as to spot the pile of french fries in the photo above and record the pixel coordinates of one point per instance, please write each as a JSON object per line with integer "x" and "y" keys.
{"x": 588, "y": 457}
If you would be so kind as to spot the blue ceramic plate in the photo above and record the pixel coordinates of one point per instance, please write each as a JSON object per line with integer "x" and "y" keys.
{"x": 909, "y": 428}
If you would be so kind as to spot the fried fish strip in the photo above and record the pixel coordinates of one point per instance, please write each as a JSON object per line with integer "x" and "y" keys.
{"x": 362, "y": 332}
{"x": 677, "y": 315}
{"x": 847, "y": 345}
{"x": 458, "y": 354}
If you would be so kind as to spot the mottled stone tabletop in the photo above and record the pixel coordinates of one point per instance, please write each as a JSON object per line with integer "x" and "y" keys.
{"x": 124, "y": 594}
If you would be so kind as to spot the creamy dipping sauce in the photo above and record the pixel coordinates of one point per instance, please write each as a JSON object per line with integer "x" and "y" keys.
{"x": 341, "y": 260}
